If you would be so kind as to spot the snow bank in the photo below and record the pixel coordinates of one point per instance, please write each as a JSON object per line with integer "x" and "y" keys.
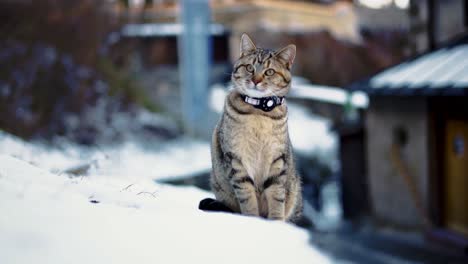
{"x": 128, "y": 160}
{"x": 50, "y": 218}
{"x": 311, "y": 134}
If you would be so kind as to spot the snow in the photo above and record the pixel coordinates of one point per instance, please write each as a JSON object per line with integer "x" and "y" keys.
{"x": 126, "y": 217}
{"x": 66, "y": 203}
{"x": 442, "y": 68}
{"x": 329, "y": 95}
{"x": 310, "y": 133}
{"x": 127, "y": 159}
{"x": 329, "y": 219}
{"x": 164, "y": 30}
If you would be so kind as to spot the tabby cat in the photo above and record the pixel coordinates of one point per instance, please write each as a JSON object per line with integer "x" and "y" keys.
{"x": 253, "y": 167}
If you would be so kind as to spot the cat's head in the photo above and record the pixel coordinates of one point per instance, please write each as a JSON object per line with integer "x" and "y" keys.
{"x": 262, "y": 73}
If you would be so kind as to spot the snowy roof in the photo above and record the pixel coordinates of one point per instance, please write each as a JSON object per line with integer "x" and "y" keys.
{"x": 442, "y": 72}
{"x": 328, "y": 94}
{"x": 164, "y": 30}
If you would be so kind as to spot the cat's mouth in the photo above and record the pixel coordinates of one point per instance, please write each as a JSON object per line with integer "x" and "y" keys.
{"x": 255, "y": 92}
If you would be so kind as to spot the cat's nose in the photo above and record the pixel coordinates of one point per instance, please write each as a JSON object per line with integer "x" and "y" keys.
{"x": 256, "y": 80}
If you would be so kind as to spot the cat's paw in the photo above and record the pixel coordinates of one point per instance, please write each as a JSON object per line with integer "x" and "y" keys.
{"x": 276, "y": 218}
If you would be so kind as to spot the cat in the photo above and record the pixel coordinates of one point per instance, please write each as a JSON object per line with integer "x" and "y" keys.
{"x": 253, "y": 171}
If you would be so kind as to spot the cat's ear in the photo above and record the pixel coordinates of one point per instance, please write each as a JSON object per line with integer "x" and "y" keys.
{"x": 246, "y": 45}
{"x": 287, "y": 55}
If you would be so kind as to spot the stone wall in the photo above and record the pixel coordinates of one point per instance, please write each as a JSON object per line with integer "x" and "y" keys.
{"x": 390, "y": 197}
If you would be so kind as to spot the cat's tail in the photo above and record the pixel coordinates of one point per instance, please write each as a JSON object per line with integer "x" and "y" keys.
{"x": 213, "y": 205}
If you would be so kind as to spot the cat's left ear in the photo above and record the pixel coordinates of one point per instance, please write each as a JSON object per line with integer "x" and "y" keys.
{"x": 247, "y": 45}
{"x": 287, "y": 55}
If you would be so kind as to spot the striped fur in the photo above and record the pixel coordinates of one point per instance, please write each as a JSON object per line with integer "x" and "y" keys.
{"x": 253, "y": 167}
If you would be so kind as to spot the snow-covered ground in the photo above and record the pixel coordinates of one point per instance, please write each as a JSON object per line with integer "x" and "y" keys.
{"x": 65, "y": 203}
{"x": 129, "y": 159}
{"x": 118, "y": 214}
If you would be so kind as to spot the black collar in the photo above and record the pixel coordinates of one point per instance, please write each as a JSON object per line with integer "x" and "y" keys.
{"x": 264, "y": 103}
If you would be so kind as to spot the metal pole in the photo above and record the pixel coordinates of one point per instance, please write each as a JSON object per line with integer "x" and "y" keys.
{"x": 434, "y": 20}
{"x": 194, "y": 63}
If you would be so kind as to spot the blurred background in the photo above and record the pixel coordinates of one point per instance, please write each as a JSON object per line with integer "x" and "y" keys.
{"x": 378, "y": 105}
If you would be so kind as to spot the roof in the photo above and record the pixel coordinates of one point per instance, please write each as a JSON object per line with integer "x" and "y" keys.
{"x": 441, "y": 72}
{"x": 164, "y": 30}
{"x": 328, "y": 94}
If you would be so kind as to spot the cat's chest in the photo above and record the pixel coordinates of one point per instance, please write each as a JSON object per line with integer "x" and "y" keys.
{"x": 258, "y": 131}
{"x": 258, "y": 141}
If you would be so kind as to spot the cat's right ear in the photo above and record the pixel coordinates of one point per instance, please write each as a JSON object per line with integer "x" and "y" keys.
{"x": 246, "y": 45}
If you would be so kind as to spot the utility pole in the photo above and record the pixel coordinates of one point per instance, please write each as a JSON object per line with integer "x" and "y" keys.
{"x": 194, "y": 65}
{"x": 433, "y": 23}
{"x": 419, "y": 26}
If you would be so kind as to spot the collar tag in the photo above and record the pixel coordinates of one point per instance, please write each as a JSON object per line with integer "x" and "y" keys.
{"x": 264, "y": 103}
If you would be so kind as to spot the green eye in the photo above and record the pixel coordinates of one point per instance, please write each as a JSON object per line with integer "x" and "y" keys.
{"x": 270, "y": 72}
{"x": 250, "y": 68}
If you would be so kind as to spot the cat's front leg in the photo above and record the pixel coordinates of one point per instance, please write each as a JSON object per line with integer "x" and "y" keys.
{"x": 244, "y": 189}
{"x": 274, "y": 189}
{"x": 275, "y": 194}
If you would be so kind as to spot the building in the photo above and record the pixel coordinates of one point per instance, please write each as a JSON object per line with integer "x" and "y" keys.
{"x": 407, "y": 165}
{"x": 417, "y": 143}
